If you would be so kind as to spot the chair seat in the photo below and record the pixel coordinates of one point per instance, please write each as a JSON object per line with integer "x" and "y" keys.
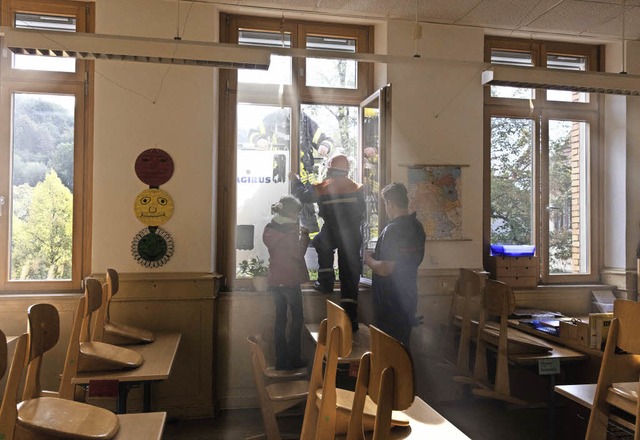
{"x": 298, "y": 373}
{"x": 66, "y": 419}
{"x": 125, "y": 334}
{"x": 344, "y": 402}
{"x": 624, "y": 395}
{"x": 98, "y": 356}
{"x": 290, "y": 390}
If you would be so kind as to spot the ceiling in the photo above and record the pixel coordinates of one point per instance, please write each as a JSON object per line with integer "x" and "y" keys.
{"x": 597, "y": 20}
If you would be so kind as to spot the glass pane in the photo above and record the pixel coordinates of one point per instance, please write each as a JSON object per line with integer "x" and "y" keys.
{"x": 325, "y": 131}
{"x": 280, "y": 67}
{"x": 512, "y": 213}
{"x": 371, "y": 176}
{"x": 323, "y": 72}
{"x": 568, "y": 197}
{"x": 44, "y": 23}
{"x": 511, "y": 58}
{"x": 263, "y": 162}
{"x": 567, "y": 62}
{"x": 42, "y": 187}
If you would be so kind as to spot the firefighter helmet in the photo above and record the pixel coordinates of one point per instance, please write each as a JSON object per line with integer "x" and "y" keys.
{"x": 339, "y": 162}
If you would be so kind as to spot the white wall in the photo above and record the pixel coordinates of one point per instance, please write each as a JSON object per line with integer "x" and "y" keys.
{"x": 437, "y": 119}
{"x": 140, "y": 106}
{"x": 633, "y": 159}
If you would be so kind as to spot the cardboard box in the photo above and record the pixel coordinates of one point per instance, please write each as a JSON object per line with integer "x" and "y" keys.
{"x": 583, "y": 333}
{"x": 599, "y": 324}
{"x": 568, "y": 331}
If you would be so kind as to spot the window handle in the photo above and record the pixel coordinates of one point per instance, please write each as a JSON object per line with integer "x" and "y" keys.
{"x": 1, "y": 205}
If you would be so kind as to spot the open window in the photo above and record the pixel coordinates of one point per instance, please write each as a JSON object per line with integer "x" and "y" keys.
{"x": 375, "y": 137}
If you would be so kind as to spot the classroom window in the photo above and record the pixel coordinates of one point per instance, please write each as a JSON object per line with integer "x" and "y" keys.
{"x": 542, "y": 162}
{"x": 289, "y": 118}
{"x": 44, "y": 190}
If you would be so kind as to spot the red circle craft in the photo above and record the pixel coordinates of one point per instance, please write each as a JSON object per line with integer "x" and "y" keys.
{"x": 154, "y": 167}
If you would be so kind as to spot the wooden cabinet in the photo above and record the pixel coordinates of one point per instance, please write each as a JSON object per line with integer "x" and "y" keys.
{"x": 515, "y": 271}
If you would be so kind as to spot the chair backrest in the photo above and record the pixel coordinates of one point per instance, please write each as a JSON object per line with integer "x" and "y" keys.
{"x": 470, "y": 285}
{"x": 3, "y": 354}
{"x": 103, "y": 316}
{"x": 498, "y": 299}
{"x": 627, "y": 313}
{"x": 620, "y": 363}
{"x": 386, "y": 375}
{"x": 9, "y": 409}
{"x": 44, "y": 333}
{"x": 335, "y": 339}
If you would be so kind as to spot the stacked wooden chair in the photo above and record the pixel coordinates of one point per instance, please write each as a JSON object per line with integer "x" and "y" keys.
{"x": 106, "y": 329}
{"x": 85, "y": 354}
{"x": 328, "y": 408}
{"x": 468, "y": 292}
{"x": 43, "y": 415}
{"x": 618, "y": 384}
{"x": 275, "y": 397}
{"x": 498, "y": 302}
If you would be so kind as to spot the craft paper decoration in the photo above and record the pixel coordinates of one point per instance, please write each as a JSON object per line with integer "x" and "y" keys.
{"x": 153, "y": 207}
{"x": 154, "y": 167}
{"x": 152, "y": 247}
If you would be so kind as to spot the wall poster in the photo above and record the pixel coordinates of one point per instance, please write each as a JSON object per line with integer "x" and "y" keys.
{"x": 435, "y": 194}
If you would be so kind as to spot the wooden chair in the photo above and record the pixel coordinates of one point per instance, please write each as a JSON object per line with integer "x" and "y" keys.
{"x": 105, "y": 330}
{"x": 42, "y": 417}
{"x": 469, "y": 290}
{"x": 620, "y": 363}
{"x": 274, "y": 397}
{"x": 95, "y": 355}
{"x": 86, "y": 355}
{"x": 498, "y": 302}
{"x": 386, "y": 376}
{"x": 328, "y": 408}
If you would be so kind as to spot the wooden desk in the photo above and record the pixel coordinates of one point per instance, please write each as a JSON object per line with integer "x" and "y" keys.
{"x": 514, "y": 323}
{"x": 361, "y": 341}
{"x": 158, "y": 362}
{"x": 148, "y": 426}
{"x": 584, "y": 394}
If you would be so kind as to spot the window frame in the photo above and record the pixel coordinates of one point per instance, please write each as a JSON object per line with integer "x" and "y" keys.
{"x": 295, "y": 94}
{"x": 541, "y": 111}
{"x": 80, "y": 85}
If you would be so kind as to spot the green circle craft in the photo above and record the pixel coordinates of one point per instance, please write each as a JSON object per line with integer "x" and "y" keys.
{"x": 154, "y": 167}
{"x": 152, "y": 247}
{"x": 153, "y": 207}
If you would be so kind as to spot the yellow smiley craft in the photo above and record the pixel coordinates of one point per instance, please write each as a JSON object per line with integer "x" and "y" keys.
{"x": 153, "y": 207}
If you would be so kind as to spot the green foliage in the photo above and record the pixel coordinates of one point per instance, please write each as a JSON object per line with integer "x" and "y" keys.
{"x": 255, "y": 267}
{"x": 42, "y": 231}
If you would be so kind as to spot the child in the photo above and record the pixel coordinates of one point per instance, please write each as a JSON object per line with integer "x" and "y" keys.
{"x": 287, "y": 243}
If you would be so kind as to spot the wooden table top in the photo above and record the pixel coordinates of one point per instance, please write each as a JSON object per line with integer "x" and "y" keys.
{"x": 582, "y": 394}
{"x": 147, "y": 426}
{"x": 563, "y": 354}
{"x": 424, "y": 423}
{"x": 158, "y": 355}
{"x": 361, "y": 341}
{"x": 623, "y": 395}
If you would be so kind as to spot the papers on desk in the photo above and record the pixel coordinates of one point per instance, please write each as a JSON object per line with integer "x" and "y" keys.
{"x": 540, "y": 315}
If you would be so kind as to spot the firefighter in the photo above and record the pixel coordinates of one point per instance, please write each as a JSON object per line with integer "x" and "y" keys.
{"x": 274, "y": 131}
{"x": 342, "y": 206}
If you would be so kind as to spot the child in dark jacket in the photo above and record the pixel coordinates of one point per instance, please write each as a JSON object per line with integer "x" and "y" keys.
{"x": 287, "y": 243}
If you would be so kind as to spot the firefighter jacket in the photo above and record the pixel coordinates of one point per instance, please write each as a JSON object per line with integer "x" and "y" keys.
{"x": 340, "y": 203}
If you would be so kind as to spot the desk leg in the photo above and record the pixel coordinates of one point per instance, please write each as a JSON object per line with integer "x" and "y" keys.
{"x": 551, "y": 410}
{"x": 146, "y": 397}
{"x": 123, "y": 392}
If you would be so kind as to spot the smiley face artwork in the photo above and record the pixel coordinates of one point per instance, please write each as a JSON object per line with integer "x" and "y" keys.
{"x": 153, "y": 207}
{"x": 154, "y": 167}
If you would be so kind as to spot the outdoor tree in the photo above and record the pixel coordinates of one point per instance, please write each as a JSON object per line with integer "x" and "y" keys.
{"x": 42, "y": 239}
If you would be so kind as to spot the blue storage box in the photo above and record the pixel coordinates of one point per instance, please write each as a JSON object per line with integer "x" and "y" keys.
{"x": 513, "y": 250}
